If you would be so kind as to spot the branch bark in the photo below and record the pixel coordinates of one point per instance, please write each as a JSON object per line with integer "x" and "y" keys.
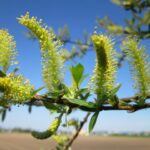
{"x": 37, "y": 100}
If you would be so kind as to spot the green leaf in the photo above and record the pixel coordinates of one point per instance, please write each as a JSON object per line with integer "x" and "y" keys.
{"x": 41, "y": 135}
{"x": 53, "y": 107}
{"x": 15, "y": 70}
{"x": 93, "y": 121}
{"x": 114, "y": 100}
{"x": 121, "y": 103}
{"x": 82, "y": 78}
{"x": 77, "y": 73}
{"x": 82, "y": 103}
{"x": 81, "y": 91}
{"x": 37, "y": 90}
{"x": 141, "y": 102}
{"x": 4, "y": 115}
{"x": 2, "y": 74}
{"x": 115, "y": 90}
{"x": 55, "y": 93}
{"x": 30, "y": 108}
{"x": 86, "y": 95}
{"x": 62, "y": 89}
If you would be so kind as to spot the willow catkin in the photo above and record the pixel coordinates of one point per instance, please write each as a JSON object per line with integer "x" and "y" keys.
{"x": 103, "y": 78}
{"x": 52, "y": 57}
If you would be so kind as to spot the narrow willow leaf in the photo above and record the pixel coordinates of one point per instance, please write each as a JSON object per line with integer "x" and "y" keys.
{"x": 82, "y": 103}
{"x": 77, "y": 73}
{"x": 2, "y": 74}
{"x": 4, "y": 115}
{"x": 55, "y": 93}
{"x": 121, "y": 103}
{"x": 37, "y": 90}
{"x": 81, "y": 92}
{"x": 141, "y": 102}
{"x": 82, "y": 78}
{"x": 52, "y": 106}
{"x": 93, "y": 121}
{"x": 15, "y": 70}
{"x": 86, "y": 95}
{"x": 114, "y": 100}
{"x": 115, "y": 90}
{"x": 30, "y": 108}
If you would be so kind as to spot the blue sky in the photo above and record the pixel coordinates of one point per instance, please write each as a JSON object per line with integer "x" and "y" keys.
{"x": 79, "y": 16}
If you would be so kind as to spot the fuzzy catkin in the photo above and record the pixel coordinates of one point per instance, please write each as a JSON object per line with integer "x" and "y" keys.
{"x": 103, "y": 78}
{"x": 52, "y": 60}
{"x": 7, "y": 50}
{"x": 139, "y": 65}
{"x": 15, "y": 89}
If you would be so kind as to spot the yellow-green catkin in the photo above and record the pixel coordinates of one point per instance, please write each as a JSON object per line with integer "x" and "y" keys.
{"x": 52, "y": 60}
{"x": 15, "y": 89}
{"x": 139, "y": 65}
{"x": 60, "y": 138}
{"x": 55, "y": 124}
{"x": 7, "y": 50}
{"x": 103, "y": 78}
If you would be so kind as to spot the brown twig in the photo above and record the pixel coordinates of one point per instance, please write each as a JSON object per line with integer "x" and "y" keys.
{"x": 37, "y": 101}
{"x": 130, "y": 99}
{"x": 77, "y": 132}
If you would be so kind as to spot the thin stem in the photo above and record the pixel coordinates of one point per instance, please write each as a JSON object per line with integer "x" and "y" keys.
{"x": 77, "y": 132}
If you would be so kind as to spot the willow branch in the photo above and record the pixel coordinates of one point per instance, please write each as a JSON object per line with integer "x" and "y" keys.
{"x": 76, "y": 43}
{"x": 37, "y": 100}
{"x": 141, "y": 34}
{"x": 132, "y": 98}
